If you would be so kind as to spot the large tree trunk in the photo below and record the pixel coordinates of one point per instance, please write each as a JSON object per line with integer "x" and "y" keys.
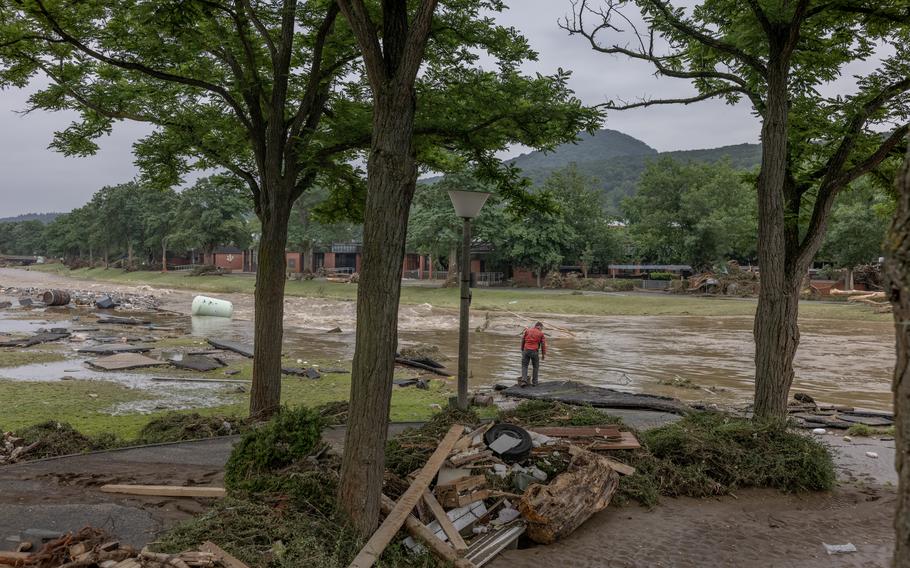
{"x": 307, "y": 255}
{"x": 897, "y": 274}
{"x": 775, "y": 329}
{"x": 268, "y": 324}
{"x": 392, "y": 175}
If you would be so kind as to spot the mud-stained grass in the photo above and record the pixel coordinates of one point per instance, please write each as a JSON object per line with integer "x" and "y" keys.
{"x": 281, "y": 508}
{"x": 548, "y": 413}
{"x": 864, "y": 431}
{"x": 708, "y": 453}
{"x": 504, "y": 299}
{"x": 28, "y": 356}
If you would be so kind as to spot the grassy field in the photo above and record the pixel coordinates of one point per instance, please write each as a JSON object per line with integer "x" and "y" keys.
{"x": 523, "y": 300}
{"x": 87, "y": 404}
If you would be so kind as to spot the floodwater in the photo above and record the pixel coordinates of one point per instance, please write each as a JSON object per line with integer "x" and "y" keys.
{"x": 839, "y": 361}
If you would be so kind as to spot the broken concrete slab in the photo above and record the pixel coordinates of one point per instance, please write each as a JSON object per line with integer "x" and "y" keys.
{"x": 38, "y": 338}
{"x": 4, "y": 305}
{"x": 244, "y": 349}
{"x": 25, "y": 302}
{"x": 571, "y": 392}
{"x": 199, "y": 363}
{"x": 112, "y": 348}
{"x": 117, "y": 320}
{"x": 105, "y": 303}
{"x": 867, "y": 420}
{"x": 121, "y": 361}
{"x": 309, "y": 372}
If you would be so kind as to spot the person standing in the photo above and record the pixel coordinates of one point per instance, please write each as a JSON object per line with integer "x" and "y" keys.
{"x": 533, "y": 351}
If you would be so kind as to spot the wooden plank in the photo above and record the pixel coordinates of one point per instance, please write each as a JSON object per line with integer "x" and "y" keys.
{"x": 165, "y": 490}
{"x": 578, "y": 431}
{"x": 419, "y": 531}
{"x": 14, "y": 558}
{"x": 222, "y": 556}
{"x": 469, "y": 457}
{"x": 458, "y": 543}
{"x": 466, "y": 441}
{"x": 386, "y": 532}
{"x": 620, "y": 467}
{"x": 629, "y": 442}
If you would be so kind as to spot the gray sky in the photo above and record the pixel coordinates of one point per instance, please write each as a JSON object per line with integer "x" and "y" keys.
{"x": 36, "y": 179}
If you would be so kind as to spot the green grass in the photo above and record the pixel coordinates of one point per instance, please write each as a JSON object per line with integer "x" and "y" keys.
{"x": 503, "y": 299}
{"x": 864, "y": 431}
{"x": 16, "y": 357}
{"x": 70, "y": 401}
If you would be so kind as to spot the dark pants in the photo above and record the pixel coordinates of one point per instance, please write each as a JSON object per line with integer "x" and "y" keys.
{"x": 533, "y": 357}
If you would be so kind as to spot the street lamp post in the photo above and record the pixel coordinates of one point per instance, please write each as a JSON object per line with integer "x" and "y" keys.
{"x": 467, "y": 206}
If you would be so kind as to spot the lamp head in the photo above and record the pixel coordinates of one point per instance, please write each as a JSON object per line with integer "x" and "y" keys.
{"x": 468, "y": 203}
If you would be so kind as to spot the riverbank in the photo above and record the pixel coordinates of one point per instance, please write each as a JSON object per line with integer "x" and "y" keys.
{"x": 522, "y": 300}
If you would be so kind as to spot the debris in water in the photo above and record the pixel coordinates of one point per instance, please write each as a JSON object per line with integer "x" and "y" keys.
{"x": 839, "y": 548}
{"x": 872, "y": 455}
{"x": 819, "y": 431}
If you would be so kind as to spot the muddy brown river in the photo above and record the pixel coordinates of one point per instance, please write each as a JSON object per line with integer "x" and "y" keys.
{"x": 839, "y": 361}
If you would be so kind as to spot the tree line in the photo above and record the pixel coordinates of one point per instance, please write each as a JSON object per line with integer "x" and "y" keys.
{"x": 691, "y": 213}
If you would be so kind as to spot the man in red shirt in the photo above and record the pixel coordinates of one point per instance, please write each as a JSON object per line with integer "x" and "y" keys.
{"x": 532, "y": 341}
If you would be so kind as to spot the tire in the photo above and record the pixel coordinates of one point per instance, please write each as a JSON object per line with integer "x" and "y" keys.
{"x": 517, "y": 453}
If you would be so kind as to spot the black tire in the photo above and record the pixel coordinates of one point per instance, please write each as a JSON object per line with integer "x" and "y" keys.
{"x": 517, "y": 453}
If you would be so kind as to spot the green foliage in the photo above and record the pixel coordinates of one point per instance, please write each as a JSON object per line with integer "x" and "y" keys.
{"x": 60, "y": 439}
{"x": 179, "y": 426}
{"x": 695, "y": 214}
{"x": 661, "y": 276}
{"x": 214, "y": 211}
{"x": 291, "y": 435}
{"x": 857, "y": 226}
{"x": 412, "y": 448}
{"x": 709, "y": 453}
{"x": 22, "y": 237}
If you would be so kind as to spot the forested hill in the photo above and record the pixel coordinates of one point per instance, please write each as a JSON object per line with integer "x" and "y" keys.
{"x": 43, "y": 217}
{"x": 617, "y": 160}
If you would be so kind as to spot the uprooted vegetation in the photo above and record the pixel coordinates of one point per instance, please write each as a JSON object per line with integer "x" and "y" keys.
{"x": 710, "y": 453}
{"x": 52, "y": 438}
{"x": 864, "y": 431}
{"x": 281, "y": 508}
{"x": 546, "y": 413}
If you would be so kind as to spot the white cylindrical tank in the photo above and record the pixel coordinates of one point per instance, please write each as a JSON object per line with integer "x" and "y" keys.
{"x": 205, "y": 306}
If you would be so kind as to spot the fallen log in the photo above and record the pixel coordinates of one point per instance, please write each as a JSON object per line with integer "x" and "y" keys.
{"x": 555, "y": 510}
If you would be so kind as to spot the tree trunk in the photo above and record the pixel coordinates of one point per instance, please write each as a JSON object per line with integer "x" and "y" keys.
{"x": 164, "y": 255}
{"x": 129, "y": 254}
{"x": 539, "y": 270}
{"x": 392, "y": 176}
{"x": 897, "y": 275}
{"x": 268, "y": 324}
{"x": 775, "y": 329}
{"x": 848, "y": 278}
{"x": 307, "y": 255}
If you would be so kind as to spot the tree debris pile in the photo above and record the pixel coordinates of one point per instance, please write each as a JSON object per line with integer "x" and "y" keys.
{"x": 711, "y": 453}
{"x": 178, "y": 427}
{"x": 50, "y": 439}
{"x": 729, "y": 280}
{"x": 92, "y": 547}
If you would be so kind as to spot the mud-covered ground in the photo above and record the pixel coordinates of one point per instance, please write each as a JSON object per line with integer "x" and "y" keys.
{"x": 839, "y": 361}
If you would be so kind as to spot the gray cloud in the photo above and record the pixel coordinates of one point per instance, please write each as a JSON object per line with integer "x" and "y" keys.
{"x": 35, "y": 178}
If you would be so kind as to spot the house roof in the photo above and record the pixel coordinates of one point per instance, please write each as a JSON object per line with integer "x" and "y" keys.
{"x": 650, "y": 267}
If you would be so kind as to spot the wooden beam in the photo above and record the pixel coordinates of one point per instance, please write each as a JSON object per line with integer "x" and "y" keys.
{"x": 393, "y": 521}
{"x": 165, "y": 490}
{"x": 222, "y": 556}
{"x": 420, "y": 531}
{"x": 20, "y": 558}
{"x": 445, "y": 522}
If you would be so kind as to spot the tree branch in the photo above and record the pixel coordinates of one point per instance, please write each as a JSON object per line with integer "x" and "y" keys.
{"x": 260, "y": 27}
{"x": 827, "y": 192}
{"x": 416, "y": 43}
{"x": 141, "y": 68}
{"x": 684, "y": 101}
{"x": 356, "y": 13}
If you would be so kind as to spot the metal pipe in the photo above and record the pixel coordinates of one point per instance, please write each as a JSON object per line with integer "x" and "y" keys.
{"x": 464, "y": 315}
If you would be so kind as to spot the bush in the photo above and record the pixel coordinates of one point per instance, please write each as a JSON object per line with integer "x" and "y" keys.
{"x": 662, "y": 276}
{"x": 709, "y": 453}
{"x": 619, "y": 285}
{"x": 291, "y": 435}
{"x": 177, "y": 426}
{"x": 553, "y": 280}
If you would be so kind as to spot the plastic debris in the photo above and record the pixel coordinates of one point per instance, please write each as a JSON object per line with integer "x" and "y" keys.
{"x": 839, "y": 548}
{"x": 819, "y": 431}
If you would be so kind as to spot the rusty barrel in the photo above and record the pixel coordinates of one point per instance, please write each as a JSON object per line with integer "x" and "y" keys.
{"x": 56, "y": 298}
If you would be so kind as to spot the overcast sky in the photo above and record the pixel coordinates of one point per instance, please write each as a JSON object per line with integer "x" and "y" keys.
{"x": 36, "y": 179}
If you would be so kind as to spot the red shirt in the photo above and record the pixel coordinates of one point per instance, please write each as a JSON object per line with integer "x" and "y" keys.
{"x": 534, "y": 339}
